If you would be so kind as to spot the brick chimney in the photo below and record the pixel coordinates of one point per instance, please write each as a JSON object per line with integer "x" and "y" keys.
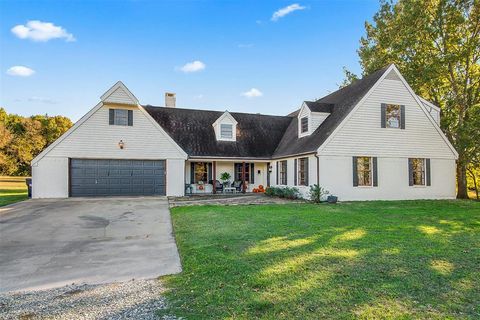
{"x": 170, "y": 99}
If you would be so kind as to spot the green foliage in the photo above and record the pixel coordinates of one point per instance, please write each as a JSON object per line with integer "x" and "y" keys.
{"x": 317, "y": 193}
{"x": 283, "y": 192}
{"x": 354, "y": 260}
{"x": 436, "y": 46}
{"x": 23, "y": 138}
{"x": 225, "y": 177}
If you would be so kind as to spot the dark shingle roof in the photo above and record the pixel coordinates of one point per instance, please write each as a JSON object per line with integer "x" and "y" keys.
{"x": 343, "y": 101}
{"x": 257, "y": 135}
{"x": 260, "y": 136}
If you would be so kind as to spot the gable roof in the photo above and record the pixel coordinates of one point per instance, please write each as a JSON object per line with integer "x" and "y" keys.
{"x": 340, "y": 102}
{"x": 258, "y": 135}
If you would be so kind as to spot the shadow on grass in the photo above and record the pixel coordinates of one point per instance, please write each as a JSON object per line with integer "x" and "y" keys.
{"x": 9, "y": 196}
{"x": 413, "y": 259}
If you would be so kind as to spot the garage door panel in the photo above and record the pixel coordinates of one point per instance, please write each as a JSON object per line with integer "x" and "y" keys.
{"x": 91, "y": 177}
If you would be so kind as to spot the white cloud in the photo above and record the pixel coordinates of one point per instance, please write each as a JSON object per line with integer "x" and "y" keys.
{"x": 193, "y": 66}
{"x": 286, "y": 10}
{"x": 252, "y": 93}
{"x": 42, "y": 100}
{"x": 41, "y": 31}
{"x": 198, "y": 97}
{"x": 20, "y": 71}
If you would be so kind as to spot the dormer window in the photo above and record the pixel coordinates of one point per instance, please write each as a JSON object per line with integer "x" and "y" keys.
{"x": 225, "y": 127}
{"x": 304, "y": 125}
{"x": 226, "y": 131}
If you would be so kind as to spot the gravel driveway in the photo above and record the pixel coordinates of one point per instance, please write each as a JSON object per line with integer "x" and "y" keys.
{"x": 126, "y": 300}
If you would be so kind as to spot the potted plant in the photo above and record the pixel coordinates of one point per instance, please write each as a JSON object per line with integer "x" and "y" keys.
{"x": 225, "y": 177}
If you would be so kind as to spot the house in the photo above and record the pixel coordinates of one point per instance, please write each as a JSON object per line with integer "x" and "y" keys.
{"x": 374, "y": 139}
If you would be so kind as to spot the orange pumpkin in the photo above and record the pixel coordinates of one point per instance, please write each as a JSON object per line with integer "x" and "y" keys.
{"x": 260, "y": 187}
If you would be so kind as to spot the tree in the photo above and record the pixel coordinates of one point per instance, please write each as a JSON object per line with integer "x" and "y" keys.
{"x": 436, "y": 46}
{"x": 22, "y": 139}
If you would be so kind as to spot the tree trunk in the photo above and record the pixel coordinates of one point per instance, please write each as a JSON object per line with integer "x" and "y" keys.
{"x": 462, "y": 192}
{"x": 474, "y": 178}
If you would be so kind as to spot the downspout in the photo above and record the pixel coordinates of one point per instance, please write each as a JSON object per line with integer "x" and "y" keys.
{"x": 318, "y": 169}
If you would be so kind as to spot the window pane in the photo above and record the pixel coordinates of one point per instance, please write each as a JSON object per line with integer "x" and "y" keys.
{"x": 418, "y": 167}
{"x": 302, "y": 171}
{"x": 201, "y": 172}
{"x": 392, "y": 114}
{"x": 283, "y": 172}
{"x": 364, "y": 172}
{"x": 226, "y": 131}
{"x": 238, "y": 172}
{"x": 120, "y": 117}
{"x": 304, "y": 124}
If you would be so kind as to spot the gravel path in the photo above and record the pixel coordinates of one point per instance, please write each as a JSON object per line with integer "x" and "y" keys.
{"x": 136, "y": 299}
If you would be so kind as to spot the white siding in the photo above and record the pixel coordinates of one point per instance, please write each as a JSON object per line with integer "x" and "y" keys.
{"x": 312, "y": 174}
{"x": 362, "y": 133}
{"x": 50, "y": 178}
{"x": 336, "y": 175}
{"x": 317, "y": 119}
{"x": 175, "y": 178}
{"x": 95, "y": 138}
{"x": 119, "y": 96}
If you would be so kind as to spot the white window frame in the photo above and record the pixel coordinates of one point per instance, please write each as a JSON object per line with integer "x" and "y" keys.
{"x": 370, "y": 170}
{"x": 116, "y": 117}
{"x": 224, "y": 137}
{"x": 423, "y": 172}
{"x": 387, "y": 125}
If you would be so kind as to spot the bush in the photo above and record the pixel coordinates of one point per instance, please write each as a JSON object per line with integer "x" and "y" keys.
{"x": 270, "y": 191}
{"x": 279, "y": 192}
{"x": 317, "y": 193}
{"x": 291, "y": 193}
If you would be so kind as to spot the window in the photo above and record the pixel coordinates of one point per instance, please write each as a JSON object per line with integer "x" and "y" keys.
{"x": 418, "y": 171}
{"x": 226, "y": 131}
{"x": 121, "y": 117}
{"x": 283, "y": 172}
{"x": 303, "y": 171}
{"x": 200, "y": 172}
{"x": 239, "y": 174}
{"x": 304, "y": 124}
{"x": 364, "y": 171}
{"x": 393, "y": 115}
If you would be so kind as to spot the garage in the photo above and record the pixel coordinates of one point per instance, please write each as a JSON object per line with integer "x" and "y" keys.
{"x": 117, "y": 177}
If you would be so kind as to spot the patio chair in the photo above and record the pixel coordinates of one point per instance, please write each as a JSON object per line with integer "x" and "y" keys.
{"x": 218, "y": 186}
{"x": 237, "y": 185}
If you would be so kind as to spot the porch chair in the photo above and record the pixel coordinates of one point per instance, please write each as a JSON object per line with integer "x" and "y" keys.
{"x": 217, "y": 185}
{"x": 237, "y": 185}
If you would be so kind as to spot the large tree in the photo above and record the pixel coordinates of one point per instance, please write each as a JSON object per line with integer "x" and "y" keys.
{"x": 23, "y": 138}
{"x": 436, "y": 46}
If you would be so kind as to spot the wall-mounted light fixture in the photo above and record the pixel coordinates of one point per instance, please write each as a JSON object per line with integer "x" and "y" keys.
{"x": 258, "y": 171}
{"x": 121, "y": 144}
{"x": 270, "y": 168}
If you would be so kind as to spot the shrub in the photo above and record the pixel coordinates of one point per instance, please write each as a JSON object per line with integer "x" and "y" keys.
{"x": 270, "y": 191}
{"x": 225, "y": 177}
{"x": 317, "y": 193}
{"x": 279, "y": 192}
{"x": 291, "y": 193}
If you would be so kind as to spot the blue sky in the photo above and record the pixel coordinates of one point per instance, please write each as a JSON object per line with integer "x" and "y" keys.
{"x": 296, "y": 56}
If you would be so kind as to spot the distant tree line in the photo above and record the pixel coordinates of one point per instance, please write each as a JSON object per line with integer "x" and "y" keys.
{"x": 23, "y": 138}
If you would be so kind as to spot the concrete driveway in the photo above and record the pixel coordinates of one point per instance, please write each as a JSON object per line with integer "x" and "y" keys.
{"x": 51, "y": 243}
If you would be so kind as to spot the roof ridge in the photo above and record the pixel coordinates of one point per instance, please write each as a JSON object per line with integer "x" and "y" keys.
{"x": 206, "y": 110}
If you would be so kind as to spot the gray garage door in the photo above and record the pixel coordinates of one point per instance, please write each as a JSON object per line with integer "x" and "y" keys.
{"x": 117, "y": 177}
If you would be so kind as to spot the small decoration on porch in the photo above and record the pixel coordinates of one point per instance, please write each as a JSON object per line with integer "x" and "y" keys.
{"x": 200, "y": 185}
{"x": 225, "y": 177}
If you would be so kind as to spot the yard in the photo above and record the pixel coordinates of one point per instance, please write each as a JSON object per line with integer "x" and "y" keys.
{"x": 12, "y": 189}
{"x": 409, "y": 259}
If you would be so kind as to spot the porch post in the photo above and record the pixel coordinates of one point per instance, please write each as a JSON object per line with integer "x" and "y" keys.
{"x": 244, "y": 187}
{"x": 214, "y": 176}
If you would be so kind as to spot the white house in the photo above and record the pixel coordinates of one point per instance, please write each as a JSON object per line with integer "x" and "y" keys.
{"x": 374, "y": 139}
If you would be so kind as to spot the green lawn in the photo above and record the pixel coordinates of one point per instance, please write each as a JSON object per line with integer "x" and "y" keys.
{"x": 12, "y": 189}
{"x": 367, "y": 260}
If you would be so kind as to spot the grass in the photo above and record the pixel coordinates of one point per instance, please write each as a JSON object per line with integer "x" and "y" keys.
{"x": 364, "y": 260}
{"x": 12, "y": 189}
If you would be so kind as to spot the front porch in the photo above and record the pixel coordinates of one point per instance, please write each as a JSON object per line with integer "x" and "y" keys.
{"x": 221, "y": 176}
